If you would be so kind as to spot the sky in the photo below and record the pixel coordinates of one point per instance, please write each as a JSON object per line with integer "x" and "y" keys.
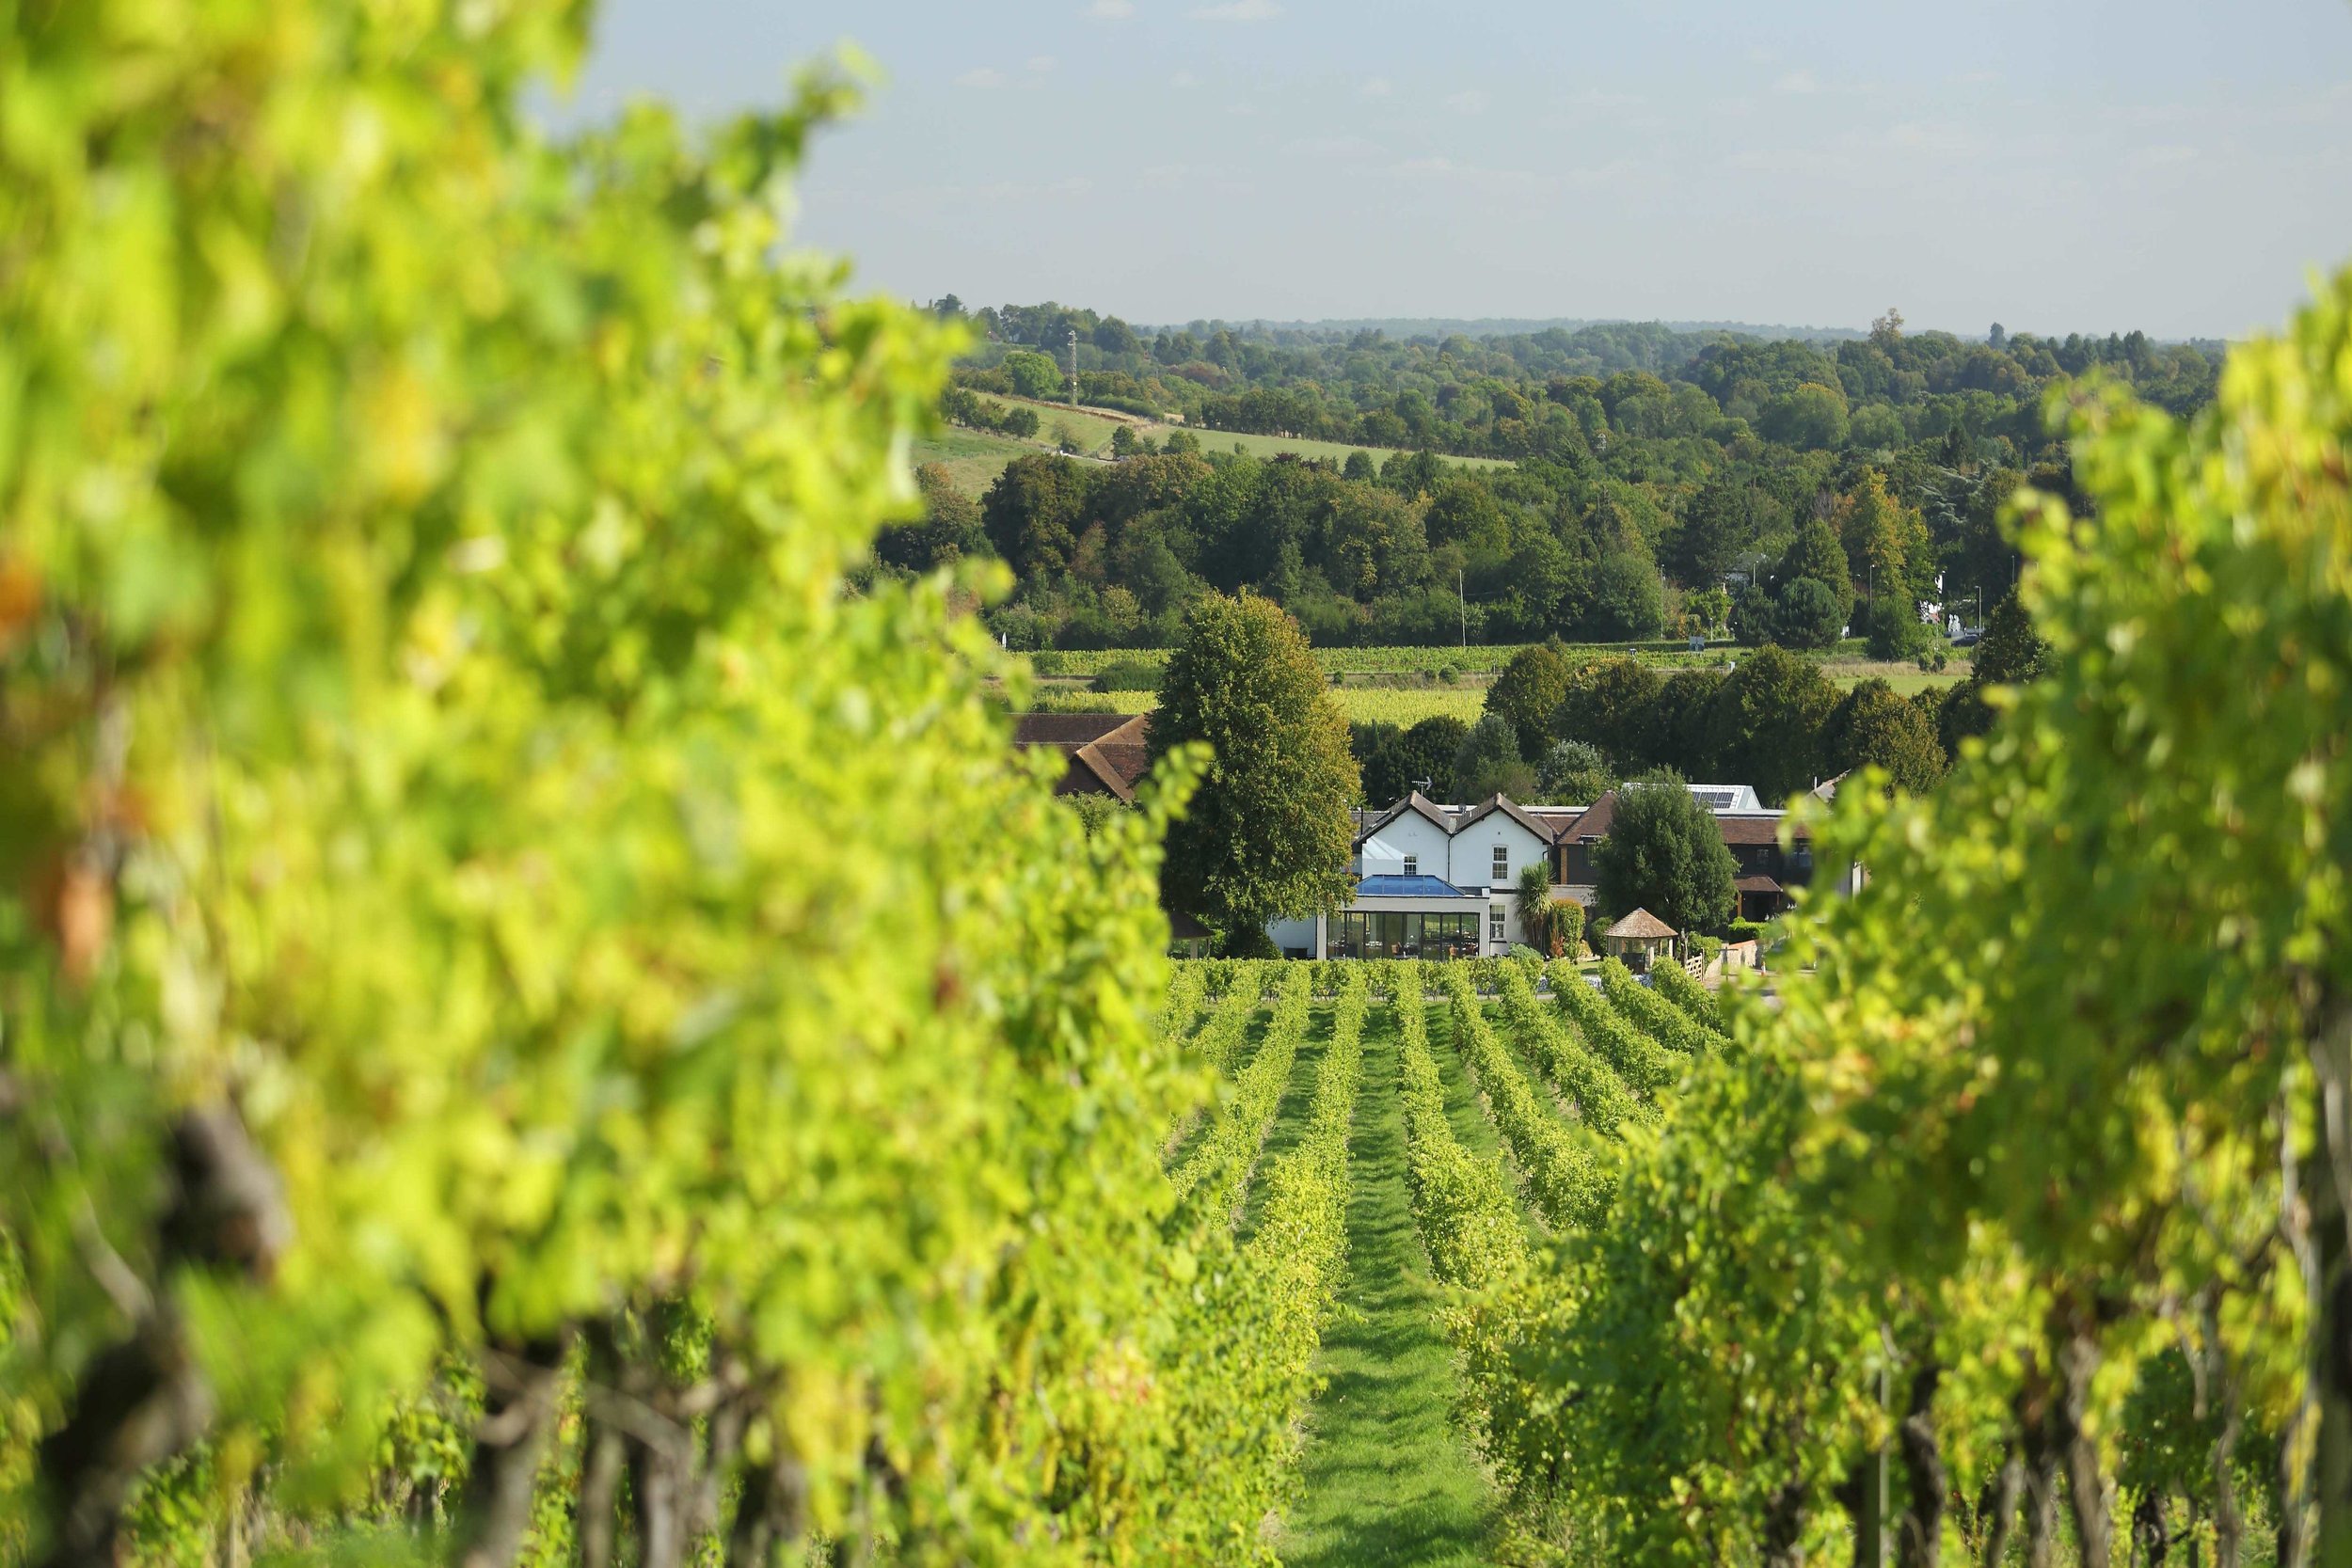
{"x": 2055, "y": 166}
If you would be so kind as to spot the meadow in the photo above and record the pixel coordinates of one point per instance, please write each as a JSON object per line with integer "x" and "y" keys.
{"x": 973, "y": 458}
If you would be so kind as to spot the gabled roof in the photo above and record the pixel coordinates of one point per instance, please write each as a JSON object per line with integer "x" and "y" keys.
{"x": 1761, "y": 827}
{"x": 1755, "y": 826}
{"x": 1501, "y": 804}
{"x": 1594, "y": 822}
{"x": 1418, "y": 803}
{"x": 1109, "y": 752}
{"x": 1641, "y": 925}
{"x": 1099, "y": 761}
{"x": 1071, "y": 730}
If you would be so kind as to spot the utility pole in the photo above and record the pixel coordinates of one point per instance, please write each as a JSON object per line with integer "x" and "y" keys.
{"x": 1073, "y": 367}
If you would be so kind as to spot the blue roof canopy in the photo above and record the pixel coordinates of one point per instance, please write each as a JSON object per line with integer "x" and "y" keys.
{"x": 1409, "y": 887}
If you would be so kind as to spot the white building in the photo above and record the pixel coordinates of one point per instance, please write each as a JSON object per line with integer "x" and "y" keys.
{"x": 1433, "y": 881}
{"x": 1436, "y": 881}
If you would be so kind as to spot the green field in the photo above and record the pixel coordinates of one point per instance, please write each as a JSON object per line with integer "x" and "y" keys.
{"x": 1844, "y": 666}
{"x": 1364, "y": 705}
{"x": 973, "y": 458}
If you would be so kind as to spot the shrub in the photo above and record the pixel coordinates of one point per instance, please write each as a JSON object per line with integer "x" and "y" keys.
{"x": 1806, "y": 615}
{"x": 1891, "y": 628}
{"x": 1129, "y": 675}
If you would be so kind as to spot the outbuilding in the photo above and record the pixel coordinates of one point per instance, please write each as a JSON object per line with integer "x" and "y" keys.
{"x": 1639, "y": 939}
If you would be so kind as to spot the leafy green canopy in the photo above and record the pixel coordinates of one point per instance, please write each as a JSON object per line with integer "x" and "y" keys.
{"x": 1269, "y": 833}
{"x": 457, "y": 821}
{"x": 1664, "y": 853}
{"x": 2023, "y": 1136}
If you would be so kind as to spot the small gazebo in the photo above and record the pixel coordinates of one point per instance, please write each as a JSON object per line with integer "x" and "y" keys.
{"x": 1638, "y": 938}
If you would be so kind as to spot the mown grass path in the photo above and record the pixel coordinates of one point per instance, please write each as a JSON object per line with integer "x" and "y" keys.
{"x": 1387, "y": 1477}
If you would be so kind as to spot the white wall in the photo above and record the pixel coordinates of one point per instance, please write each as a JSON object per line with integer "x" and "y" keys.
{"x": 1295, "y": 936}
{"x": 1409, "y": 834}
{"x": 1474, "y": 853}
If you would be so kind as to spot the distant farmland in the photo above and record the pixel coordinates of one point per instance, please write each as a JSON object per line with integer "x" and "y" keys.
{"x": 973, "y": 458}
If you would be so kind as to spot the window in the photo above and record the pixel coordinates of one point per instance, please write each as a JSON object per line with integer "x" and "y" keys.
{"x": 1361, "y": 934}
{"x": 1412, "y": 865}
{"x": 1494, "y": 922}
{"x": 1502, "y": 864}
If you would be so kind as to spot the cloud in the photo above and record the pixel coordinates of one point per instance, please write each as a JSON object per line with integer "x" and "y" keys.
{"x": 1184, "y": 81}
{"x": 1797, "y": 84}
{"x": 1521, "y": 184}
{"x": 1330, "y": 147}
{"x": 1470, "y": 102}
{"x": 2166, "y": 156}
{"x": 1042, "y": 63}
{"x": 1238, "y": 10}
{"x": 1377, "y": 86}
{"x": 981, "y": 76}
{"x": 1111, "y": 11}
{"x": 1937, "y": 141}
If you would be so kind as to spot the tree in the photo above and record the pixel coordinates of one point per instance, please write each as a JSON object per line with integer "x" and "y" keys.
{"x": 1552, "y": 925}
{"x": 1811, "y": 417}
{"x": 1034, "y": 513}
{"x": 1876, "y": 533}
{"x": 949, "y": 530}
{"x": 1489, "y": 762}
{"x": 1574, "y": 773}
{"x": 2010, "y": 654}
{"x": 1716, "y": 527}
{"x": 1807, "y": 616}
{"x": 1892, "y": 626}
{"x": 1871, "y": 726}
{"x": 1113, "y": 335}
{"x": 1765, "y": 723}
{"x": 1123, "y": 441}
{"x": 1709, "y": 608}
{"x": 1629, "y": 603}
{"x": 1680, "y": 738}
{"x": 1664, "y": 853}
{"x": 1464, "y": 512}
{"x": 1608, "y": 702}
{"x": 1268, "y": 834}
{"x": 1528, "y": 692}
{"x": 1816, "y": 553}
{"x": 1034, "y": 375}
{"x": 1425, "y": 751}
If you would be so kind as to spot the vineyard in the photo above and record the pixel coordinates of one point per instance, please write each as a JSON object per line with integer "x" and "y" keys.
{"x": 543, "y": 1021}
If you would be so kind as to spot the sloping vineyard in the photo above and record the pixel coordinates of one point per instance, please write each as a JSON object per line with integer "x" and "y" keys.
{"x": 542, "y": 1022}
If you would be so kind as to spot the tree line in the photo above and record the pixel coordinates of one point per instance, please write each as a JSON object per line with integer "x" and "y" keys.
{"x": 1517, "y": 395}
{"x": 1646, "y": 528}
